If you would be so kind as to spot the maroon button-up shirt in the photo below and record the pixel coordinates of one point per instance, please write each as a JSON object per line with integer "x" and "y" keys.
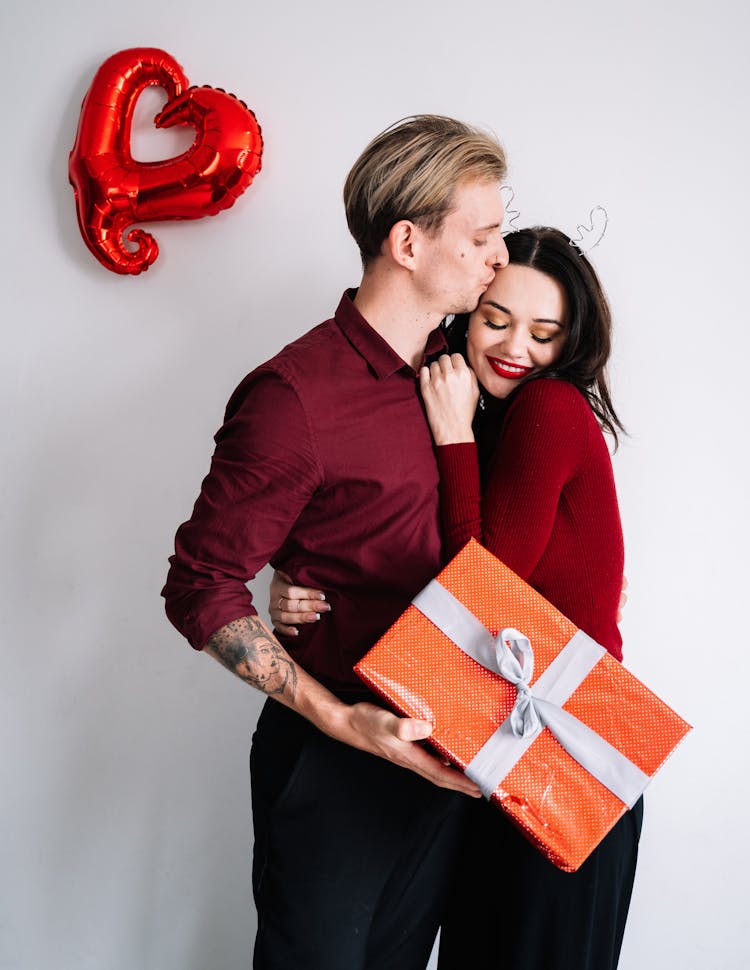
{"x": 325, "y": 468}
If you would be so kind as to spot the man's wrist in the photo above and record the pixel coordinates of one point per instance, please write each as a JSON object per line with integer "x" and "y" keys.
{"x": 323, "y": 709}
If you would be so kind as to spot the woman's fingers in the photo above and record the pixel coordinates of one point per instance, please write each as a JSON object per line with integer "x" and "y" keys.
{"x": 288, "y": 631}
{"x": 447, "y": 367}
{"x": 283, "y": 593}
{"x": 297, "y": 594}
{"x": 449, "y": 391}
{"x": 290, "y": 604}
{"x": 299, "y": 599}
{"x": 297, "y": 611}
{"x": 454, "y": 362}
{"x": 623, "y": 599}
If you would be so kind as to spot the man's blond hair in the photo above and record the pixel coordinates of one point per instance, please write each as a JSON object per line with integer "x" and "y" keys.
{"x": 410, "y": 171}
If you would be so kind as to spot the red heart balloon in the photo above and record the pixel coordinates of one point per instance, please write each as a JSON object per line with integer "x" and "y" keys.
{"x": 113, "y": 191}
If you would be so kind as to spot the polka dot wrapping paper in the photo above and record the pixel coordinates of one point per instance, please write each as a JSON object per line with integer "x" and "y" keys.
{"x": 554, "y": 801}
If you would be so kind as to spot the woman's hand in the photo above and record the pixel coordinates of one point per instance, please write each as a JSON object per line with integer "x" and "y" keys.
{"x": 623, "y": 599}
{"x": 450, "y": 393}
{"x": 294, "y": 604}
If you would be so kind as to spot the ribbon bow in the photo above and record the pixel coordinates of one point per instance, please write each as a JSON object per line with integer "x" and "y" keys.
{"x": 531, "y": 713}
{"x": 515, "y": 662}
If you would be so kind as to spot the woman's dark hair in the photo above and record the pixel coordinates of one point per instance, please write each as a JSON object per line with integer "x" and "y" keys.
{"x": 585, "y": 352}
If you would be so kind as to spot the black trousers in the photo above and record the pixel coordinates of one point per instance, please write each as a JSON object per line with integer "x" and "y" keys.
{"x": 511, "y": 909}
{"x": 353, "y": 855}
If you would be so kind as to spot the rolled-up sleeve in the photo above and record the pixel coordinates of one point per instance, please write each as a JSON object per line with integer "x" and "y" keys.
{"x": 263, "y": 472}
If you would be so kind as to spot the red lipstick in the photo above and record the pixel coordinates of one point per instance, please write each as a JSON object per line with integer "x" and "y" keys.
{"x": 504, "y": 368}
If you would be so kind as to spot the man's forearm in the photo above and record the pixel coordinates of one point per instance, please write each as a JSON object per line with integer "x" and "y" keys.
{"x": 250, "y": 650}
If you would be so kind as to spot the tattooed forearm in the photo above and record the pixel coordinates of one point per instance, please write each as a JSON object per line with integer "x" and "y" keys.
{"x": 247, "y": 649}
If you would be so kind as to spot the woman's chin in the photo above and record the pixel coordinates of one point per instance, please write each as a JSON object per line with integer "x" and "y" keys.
{"x": 500, "y": 387}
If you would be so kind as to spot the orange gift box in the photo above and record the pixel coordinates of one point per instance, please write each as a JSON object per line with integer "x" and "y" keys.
{"x": 598, "y": 709}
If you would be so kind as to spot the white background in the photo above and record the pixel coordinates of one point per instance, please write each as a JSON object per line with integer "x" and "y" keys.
{"x": 126, "y": 833}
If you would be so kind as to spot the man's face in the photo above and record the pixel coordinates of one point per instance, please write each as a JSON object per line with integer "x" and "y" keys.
{"x": 458, "y": 263}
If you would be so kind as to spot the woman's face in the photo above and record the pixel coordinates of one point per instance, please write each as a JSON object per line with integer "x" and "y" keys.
{"x": 519, "y": 327}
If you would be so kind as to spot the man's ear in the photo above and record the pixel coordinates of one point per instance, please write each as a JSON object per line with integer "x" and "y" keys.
{"x": 402, "y": 242}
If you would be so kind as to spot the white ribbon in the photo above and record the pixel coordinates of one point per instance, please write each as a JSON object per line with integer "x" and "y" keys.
{"x": 515, "y": 661}
{"x": 511, "y": 656}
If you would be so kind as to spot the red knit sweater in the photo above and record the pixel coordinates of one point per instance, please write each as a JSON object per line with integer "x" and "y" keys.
{"x": 549, "y": 507}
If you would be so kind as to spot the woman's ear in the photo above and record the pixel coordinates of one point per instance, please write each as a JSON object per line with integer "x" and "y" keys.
{"x": 401, "y": 243}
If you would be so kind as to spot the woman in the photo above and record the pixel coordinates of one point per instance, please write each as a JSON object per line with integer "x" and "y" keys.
{"x": 529, "y": 476}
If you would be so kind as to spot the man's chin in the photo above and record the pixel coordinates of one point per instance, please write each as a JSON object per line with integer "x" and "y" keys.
{"x": 462, "y": 306}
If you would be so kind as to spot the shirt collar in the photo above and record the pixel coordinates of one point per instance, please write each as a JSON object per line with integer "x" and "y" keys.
{"x": 378, "y": 353}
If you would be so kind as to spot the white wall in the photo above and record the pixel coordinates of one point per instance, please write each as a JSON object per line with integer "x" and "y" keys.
{"x": 126, "y": 833}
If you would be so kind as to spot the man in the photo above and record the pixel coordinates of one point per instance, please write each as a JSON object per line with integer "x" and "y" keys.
{"x": 325, "y": 468}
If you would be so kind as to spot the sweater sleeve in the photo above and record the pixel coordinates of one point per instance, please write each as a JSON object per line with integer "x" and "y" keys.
{"x": 460, "y": 496}
{"x": 541, "y": 445}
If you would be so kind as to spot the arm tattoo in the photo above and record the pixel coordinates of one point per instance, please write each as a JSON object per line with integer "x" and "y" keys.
{"x": 247, "y": 649}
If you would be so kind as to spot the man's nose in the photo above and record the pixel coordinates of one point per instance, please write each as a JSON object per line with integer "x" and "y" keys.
{"x": 500, "y": 257}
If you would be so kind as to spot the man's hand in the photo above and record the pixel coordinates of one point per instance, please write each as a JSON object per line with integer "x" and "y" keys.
{"x": 371, "y": 728}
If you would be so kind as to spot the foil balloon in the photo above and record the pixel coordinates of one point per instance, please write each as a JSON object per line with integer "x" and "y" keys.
{"x": 113, "y": 191}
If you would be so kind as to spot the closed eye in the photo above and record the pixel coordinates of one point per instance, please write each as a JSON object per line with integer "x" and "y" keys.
{"x": 495, "y": 326}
